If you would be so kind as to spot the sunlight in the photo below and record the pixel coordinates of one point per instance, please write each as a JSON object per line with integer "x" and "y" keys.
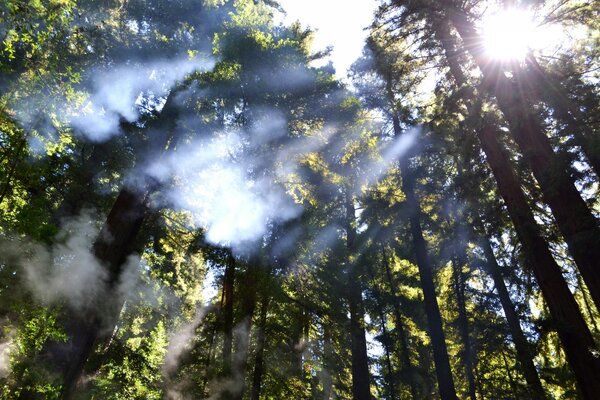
{"x": 510, "y": 33}
{"x": 346, "y": 34}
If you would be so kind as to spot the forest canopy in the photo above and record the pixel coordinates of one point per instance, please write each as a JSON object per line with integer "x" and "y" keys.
{"x": 194, "y": 204}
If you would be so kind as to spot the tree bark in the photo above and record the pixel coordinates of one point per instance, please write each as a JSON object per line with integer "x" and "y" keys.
{"x": 401, "y": 331}
{"x": 111, "y": 249}
{"x": 432, "y": 310}
{"x": 574, "y": 219}
{"x": 248, "y": 304}
{"x": 575, "y": 336}
{"x": 361, "y": 389}
{"x": 385, "y": 335}
{"x": 524, "y": 349}
{"x": 260, "y": 350}
{"x": 463, "y": 320}
{"x": 228, "y": 283}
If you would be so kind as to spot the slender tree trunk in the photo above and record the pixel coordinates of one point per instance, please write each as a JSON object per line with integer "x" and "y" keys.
{"x": 571, "y": 326}
{"x": 400, "y": 329}
{"x": 524, "y": 349}
{"x": 111, "y": 248}
{"x": 228, "y": 284}
{"x": 240, "y": 362}
{"x": 327, "y": 360}
{"x": 463, "y": 320}
{"x": 382, "y": 319}
{"x": 574, "y": 219}
{"x": 260, "y": 350}
{"x": 361, "y": 388}
{"x": 432, "y": 310}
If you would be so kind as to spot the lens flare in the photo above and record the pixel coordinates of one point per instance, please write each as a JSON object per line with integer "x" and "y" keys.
{"x": 510, "y": 33}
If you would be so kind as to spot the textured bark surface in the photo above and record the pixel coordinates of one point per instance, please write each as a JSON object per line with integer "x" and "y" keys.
{"x": 524, "y": 349}
{"x": 228, "y": 282}
{"x": 432, "y": 310}
{"x": 569, "y": 322}
{"x": 260, "y": 351}
{"x": 574, "y": 219}
{"x": 111, "y": 249}
{"x": 463, "y": 322}
{"x": 360, "y": 360}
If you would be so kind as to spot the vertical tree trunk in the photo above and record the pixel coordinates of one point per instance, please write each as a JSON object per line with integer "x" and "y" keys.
{"x": 361, "y": 389}
{"x": 571, "y": 326}
{"x": 111, "y": 248}
{"x": 260, "y": 350}
{"x": 228, "y": 284}
{"x": 432, "y": 310}
{"x": 327, "y": 359}
{"x": 463, "y": 319}
{"x": 385, "y": 335}
{"x": 524, "y": 349}
{"x": 400, "y": 330}
{"x": 248, "y": 304}
{"x": 575, "y": 220}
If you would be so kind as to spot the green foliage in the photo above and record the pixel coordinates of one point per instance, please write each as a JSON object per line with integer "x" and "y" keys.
{"x": 282, "y": 303}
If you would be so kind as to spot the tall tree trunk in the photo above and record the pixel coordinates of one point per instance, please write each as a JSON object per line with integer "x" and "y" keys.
{"x": 260, "y": 350}
{"x": 400, "y": 329}
{"x": 361, "y": 388}
{"x": 248, "y": 304}
{"x": 228, "y": 284}
{"x": 111, "y": 248}
{"x": 463, "y": 319}
{"x": 382, "y": 321}
{"x": 432, "y": 310}
{"x": 575, "y": 220}
{"x": 524, "y": 349}
{"x": 328, "y": 357}
{"x": 575, "y": 336}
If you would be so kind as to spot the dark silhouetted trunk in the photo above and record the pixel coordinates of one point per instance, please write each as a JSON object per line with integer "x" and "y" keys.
{"x": 260, "y": 350}
{"x": 326, "y": 379}
{"x": 114, "y": 243}
{"x": 400, "y": 330}
{"x": 432, "y": 310}
{"x": 248, "y": 294}
{"x": 385, "y": 335}
{"x": 575, "y": 336}
{"x": 111, "y": 249}
{"x": 228, "y": 283}
{"x": 525, "y": 353}
{"x": 574, "y": 219}
{"x": 463, "y": 320}
{"x": 360, "y": 361}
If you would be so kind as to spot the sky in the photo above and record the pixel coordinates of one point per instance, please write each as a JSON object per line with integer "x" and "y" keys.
{"x": 339, "y": 23}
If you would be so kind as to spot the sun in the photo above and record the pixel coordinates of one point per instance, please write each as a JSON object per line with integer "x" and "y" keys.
{"x": 509, "y": 34}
